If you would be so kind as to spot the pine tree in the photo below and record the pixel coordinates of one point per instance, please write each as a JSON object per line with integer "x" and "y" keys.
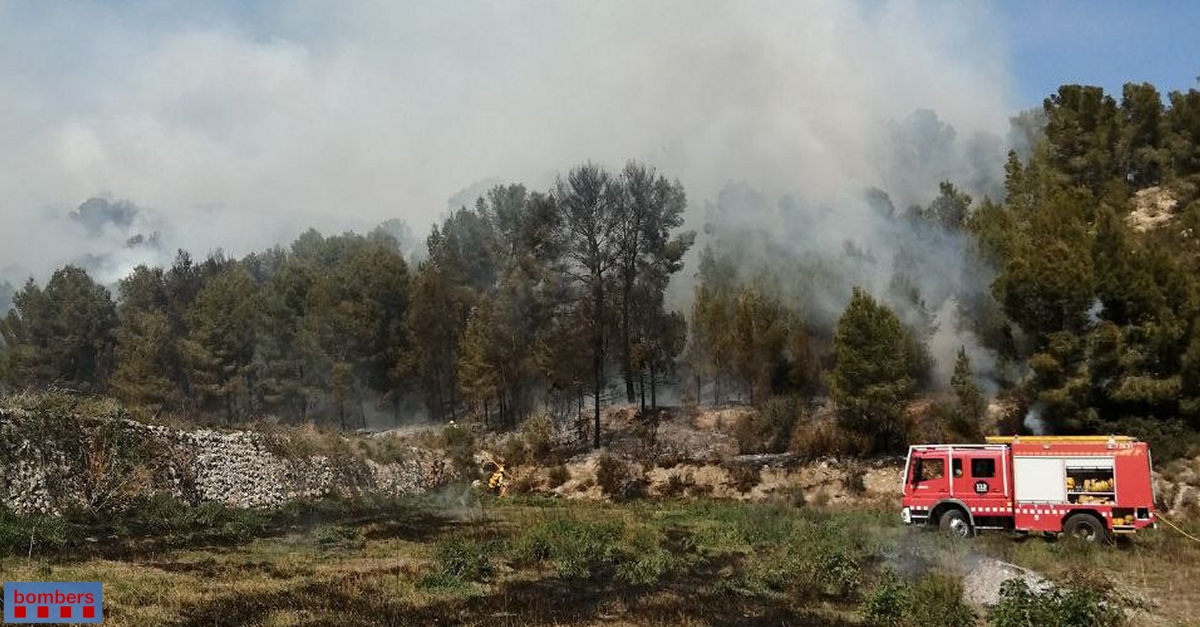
{"x": 870, "y": 379}
{"x": 220, "y": 347}
{"x": 590, "y": 206}
{"x": 970, "y": 404}
{"x": 62, "y": 335}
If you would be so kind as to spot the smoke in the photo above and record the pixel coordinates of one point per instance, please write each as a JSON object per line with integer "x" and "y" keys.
{"x": 812, "y": 254}
{"x": 1034, "y": 421}
{"x": 1094, "y": 311}
{"x": 953, "y": 333}
{"x": 237, "y": 127}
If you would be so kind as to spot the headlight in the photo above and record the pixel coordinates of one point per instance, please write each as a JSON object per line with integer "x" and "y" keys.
{"x": 906, "y": 516}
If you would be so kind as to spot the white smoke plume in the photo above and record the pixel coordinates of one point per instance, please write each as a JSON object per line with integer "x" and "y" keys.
{"x": 1034, "y": 421}
{"x": 236, "y": 125}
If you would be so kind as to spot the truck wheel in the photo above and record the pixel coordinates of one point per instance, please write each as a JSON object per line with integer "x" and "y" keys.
{"x": 954, "y": 521}
{"x": 1085, "y": 527}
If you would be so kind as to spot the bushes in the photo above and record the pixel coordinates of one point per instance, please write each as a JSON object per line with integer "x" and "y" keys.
{"x": 160, "y": 520}
{"x": 338, "y": 537}
{"x": 769, "y": 429}
{"x": 577, "y": 549}
{"x": 459, "y": 443}
{"x": 557, "y": 476}
{"x": 598, "y": 549}
{"x": 1080, "y": 605}
{"x": 935, "y": 599}
{"x": 824, "y": 438}
{"x": 744, "y": 477}
{"x": 805, "y": 559}
{"x": 887, "y": 603}
{"x": 464, "y": 559}
{"x": 855, "y": 481}
{"x": 35, "y": 534}
{"x": 531, "y": 444}
{"x": 677, "y": 485}
{"x": 459, "y": 561}
{"x": 618, "y": 480}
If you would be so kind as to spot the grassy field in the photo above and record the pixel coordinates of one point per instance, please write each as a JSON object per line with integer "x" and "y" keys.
{"x": 448, "y": 561}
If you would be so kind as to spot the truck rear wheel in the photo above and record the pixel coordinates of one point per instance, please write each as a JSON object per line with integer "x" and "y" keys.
{"x": 1087, "y": 528}
{"x": 954, "y": 522}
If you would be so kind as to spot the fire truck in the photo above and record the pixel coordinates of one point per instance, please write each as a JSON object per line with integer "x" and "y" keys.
{"x": 1089, "y": 487}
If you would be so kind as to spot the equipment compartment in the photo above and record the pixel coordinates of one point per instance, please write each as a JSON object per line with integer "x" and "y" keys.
{"x": 1091, "y": 482}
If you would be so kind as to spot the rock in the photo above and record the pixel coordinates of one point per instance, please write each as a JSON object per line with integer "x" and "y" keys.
{"x": 235, "y": 468}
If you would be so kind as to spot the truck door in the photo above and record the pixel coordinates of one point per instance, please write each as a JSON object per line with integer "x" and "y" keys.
{"x": 928, "y": 475}
{"x": 980, "y": 478}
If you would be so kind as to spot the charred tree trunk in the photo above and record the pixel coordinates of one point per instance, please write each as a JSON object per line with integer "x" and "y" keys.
{"x": 597, "y": 352}
{"x": 642, "y": 385}
{"x": 653, "y": 387}
{"x": 626, "y": 360}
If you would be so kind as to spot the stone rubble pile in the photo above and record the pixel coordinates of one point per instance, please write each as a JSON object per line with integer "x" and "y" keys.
{"x": 237, "y": 468}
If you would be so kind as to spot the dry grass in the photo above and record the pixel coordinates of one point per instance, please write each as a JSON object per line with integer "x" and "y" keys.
{"x": 701, "y": 562}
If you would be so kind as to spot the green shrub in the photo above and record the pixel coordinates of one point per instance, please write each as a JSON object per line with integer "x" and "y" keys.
{"x": 677, "y": 485}
{"x": 816, "y": 559}
{"x": 764, "y": 526}
{"x": 441, "y": 581}
{"x": 34, "y": 534}
{"x": 384, "y": 448}
{"x": 1076, "y": 606}
{"x": 854, "y": 481}
{"x": 537, "y": 432}
{"x": 220, "y": 522}
{"x": 460, "y": 448}
{"x": 744, "y": 477}
{"x": 644, "y": 562}
{"x": 577, "y": 549}
{"x": 617, "y": 479}
{"x": 557, "y": 475}
{"x": 463, "y": 559}
{"x": 524, "y": 483}
{"x": 338, "y": 536}
{"x": 831, "y": 562}
{"x": 513, "y": 452}
{"x": 887, "y": 603}
{"x": 936, "y": 599}
{"x": 769, "y": 429}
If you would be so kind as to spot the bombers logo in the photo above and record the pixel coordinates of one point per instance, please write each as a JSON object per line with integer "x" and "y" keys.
{"x": 53, "y": 602}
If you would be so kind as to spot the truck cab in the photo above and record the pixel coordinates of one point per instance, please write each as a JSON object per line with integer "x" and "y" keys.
{"x": 958, "y": 487}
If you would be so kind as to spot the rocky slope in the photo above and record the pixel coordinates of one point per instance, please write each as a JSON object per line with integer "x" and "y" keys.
{"x": 52, "y": 464}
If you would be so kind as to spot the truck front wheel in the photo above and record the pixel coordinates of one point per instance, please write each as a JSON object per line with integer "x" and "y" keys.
{"x": 955, "y": 522}
{"x": 1085, "y": 527}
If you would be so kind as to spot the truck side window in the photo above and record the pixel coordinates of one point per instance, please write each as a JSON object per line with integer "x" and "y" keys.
{"x": 932, "y": 468}
{"x": 984, "y": 468}
{"x": 957, "y": 467}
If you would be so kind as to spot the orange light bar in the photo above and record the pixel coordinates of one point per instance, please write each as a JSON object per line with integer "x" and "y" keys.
{"x": 1058, "y": 439}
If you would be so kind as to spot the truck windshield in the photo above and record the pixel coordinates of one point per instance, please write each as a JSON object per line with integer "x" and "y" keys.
{"x": 928, "y": 468}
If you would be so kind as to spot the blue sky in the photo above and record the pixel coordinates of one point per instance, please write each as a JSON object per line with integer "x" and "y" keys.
{"x": 1102, "y": 42}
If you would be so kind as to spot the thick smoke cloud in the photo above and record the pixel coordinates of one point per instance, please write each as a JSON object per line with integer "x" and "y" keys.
{"x": 237, "y": 125}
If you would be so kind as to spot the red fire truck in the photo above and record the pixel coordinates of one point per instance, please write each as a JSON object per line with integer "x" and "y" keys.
{"x": 1086, "y": 486}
